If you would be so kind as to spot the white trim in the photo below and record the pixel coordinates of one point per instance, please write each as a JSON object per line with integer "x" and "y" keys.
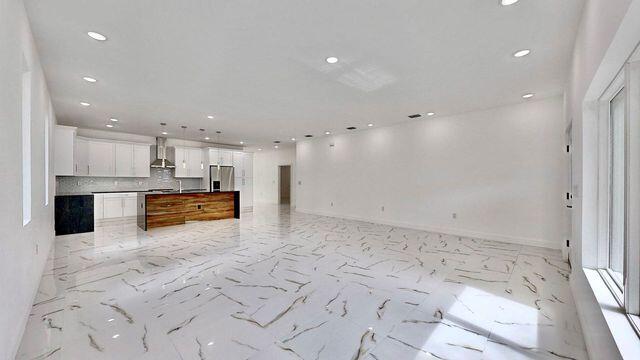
{"x": 624, "y": 335}
{"x": 545, "y": 243}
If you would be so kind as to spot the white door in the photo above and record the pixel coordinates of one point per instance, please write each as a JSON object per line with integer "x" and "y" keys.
{"x": 141, "y": 161}
{"x": 248, "y": 165}
{"x": 130, "y": 206}
{"x": 112, "y": 207}
{"x": 101, "y": 158}
{"x": 124, "y": 160}
{"x": 195, "y": 164}
{"x": 181, "y": 162}
{"x": 226, "y": 158}
{"x": 81, "y": 157}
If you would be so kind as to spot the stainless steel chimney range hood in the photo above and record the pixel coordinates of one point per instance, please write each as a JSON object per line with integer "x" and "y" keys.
{"x": 161, "y": 160}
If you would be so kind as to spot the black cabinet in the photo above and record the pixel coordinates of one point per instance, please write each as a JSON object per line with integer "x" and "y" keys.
{"x": 74, "y": 214}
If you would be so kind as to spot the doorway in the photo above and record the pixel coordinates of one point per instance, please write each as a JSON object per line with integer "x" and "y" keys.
{"x": 284, "y": 177}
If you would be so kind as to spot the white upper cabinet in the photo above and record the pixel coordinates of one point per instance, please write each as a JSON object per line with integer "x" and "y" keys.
{"x": 132, "y": 160}
{"x": 141, "y": 160}
{"x": 64, "y": 161}
{"x": 82, "y": 157}
{"x": 226, "y": 158}
{"x": 214, "y": 156}
{"x": 196, "y": 166}
{"x": 189, "y": 163}
{"x": 101, "y": 158}
{"x": 238, "y": 157}
{"x": 124, "y": 160}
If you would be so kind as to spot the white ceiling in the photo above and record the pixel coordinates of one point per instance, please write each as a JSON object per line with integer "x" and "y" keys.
{"x": 259, "y": 66}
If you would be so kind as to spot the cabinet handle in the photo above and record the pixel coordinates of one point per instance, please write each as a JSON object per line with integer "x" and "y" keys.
{"x": 88, "y": 170}
{"x": 76, "y": 169}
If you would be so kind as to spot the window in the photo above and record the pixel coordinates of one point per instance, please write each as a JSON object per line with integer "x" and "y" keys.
{"x": 26, "y": 144}
{"x": 618, "y": 254}
{"x": 617, "y": 188}
{"x": 47, "y": 128}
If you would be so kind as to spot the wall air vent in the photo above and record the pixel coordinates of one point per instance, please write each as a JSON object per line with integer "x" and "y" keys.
{"x": 351, "y": 128}
{"x": 414, "y": 116}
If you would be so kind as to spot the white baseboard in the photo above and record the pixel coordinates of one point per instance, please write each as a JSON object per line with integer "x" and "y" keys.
{"x": 450, "y": 231}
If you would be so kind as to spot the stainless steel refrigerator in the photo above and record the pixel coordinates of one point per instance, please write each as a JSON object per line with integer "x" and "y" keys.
{"x": 221, "y": 178}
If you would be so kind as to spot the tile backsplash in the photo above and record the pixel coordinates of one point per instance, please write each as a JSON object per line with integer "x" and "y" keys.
{"x": 159, "y": 179}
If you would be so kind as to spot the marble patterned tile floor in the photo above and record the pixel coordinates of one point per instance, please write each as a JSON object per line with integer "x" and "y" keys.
{"x": 284, "y": 285}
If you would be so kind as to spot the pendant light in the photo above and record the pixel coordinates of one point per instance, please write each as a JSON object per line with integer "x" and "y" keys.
{"x": 218, "y": 132}
{"x": 184, "y": 140}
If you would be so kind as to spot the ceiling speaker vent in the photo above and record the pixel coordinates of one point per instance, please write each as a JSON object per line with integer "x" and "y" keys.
{"x": 414, "y": 116}
{"x": 351, "y": 128}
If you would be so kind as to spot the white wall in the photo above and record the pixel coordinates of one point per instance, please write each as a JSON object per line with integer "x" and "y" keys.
{"x": 502, "y": 171}
{"x": 597, "y": 57}
{"x": 265, "y": 174}
{"x": 23, "y": 250}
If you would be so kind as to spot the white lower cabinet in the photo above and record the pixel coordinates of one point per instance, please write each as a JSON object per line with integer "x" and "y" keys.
{"x": 115, "y": 205}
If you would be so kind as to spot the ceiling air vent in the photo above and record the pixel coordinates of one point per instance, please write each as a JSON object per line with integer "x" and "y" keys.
{"x": 414, "y": 116}
{"x": 277, "y": 142}
{"x": 309, "y": 135}
{"x": 351, "y": 128}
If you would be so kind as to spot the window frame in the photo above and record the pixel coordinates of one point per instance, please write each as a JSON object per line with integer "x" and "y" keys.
{"x": 626, "y": 294}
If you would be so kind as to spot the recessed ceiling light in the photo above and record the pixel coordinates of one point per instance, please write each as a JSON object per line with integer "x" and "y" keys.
{"x": 369, "y": 125}
{"x": 84, "y": 103}
{"x": 521, "y": 53}
{"x": 116, "y": 336}
{"x": 109, "y": 125}
{"x": 209, "y": 116}
{"x": 89, "y": 79}
{"x": 332, "y": 60}
{"x": 293, "y": 139}
{"x": 241, "y": 142}
{"x": 527, "y": 96}
{"x": 430, "y": 113}
{"x": 509, "y": 2}
{"x": 275, "y": 146}
{"x": 327, "y": 132}
{"x": 207, "y": 138}
{"x": 259, "y": 149}
{"x": 114, "y": 119}
{"x": 97, "y": 36}
{"x": 164, "y": 133}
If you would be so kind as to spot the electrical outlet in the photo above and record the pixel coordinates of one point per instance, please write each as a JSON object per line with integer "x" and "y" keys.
{"x": 332, "y": 203}
{"x": 115, "y": 182}
{"x": 382, "y": 208}
{"x": 454, "y": 215}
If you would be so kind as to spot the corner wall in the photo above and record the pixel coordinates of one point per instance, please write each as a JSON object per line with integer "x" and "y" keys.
{"x": 501, "y": 171}
{"x": 23, "y": 249}
{"x": 595, "y": 63}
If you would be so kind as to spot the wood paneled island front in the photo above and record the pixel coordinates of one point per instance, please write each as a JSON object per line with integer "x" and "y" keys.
{"x": 157, "y": 209}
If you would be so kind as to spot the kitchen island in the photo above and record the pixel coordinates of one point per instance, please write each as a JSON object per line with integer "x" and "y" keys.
{"x": 166, "y": 208}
